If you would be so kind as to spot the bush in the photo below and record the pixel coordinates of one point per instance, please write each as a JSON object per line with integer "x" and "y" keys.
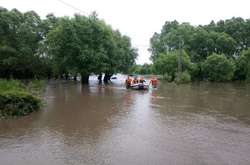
{"x": 196, "y": 72}
{"x": 167, "y": 63}
{"x": 167, "y": 77}
{"x": 243, "y": 66}
{"x": 17, "y": 103}
{"x": 17, "y": 99}
{"x": 218, "y": 68}
{"x": 11, "y": 85}
{"x": 185, "y": 77}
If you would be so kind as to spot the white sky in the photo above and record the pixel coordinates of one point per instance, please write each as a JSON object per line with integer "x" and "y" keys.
{"x": 139, "y": 19}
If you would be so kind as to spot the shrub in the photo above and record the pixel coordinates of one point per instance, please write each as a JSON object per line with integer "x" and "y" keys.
{"x": 11, "y": 85}
{"x": 15, "y": 103}
{"x": 218, "y": 68}
{"x": 185, "y": 77}
{"x": 167, "y": 77}
{"x": 243, "y": 66}
{"x": 167, "y": 63}
{"x": 196, "y": 71}
{"x": 17, "y": 99}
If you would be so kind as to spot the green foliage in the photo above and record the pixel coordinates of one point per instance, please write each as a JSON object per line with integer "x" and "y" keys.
{"x": 20, "y": 36}
{"x": 185, "y": 77}
{"x": 18, "y": 99}
{"x": 14, "y": 103}
{"x": 87, "y": 45}
{"x": 35, "y": 48}
{"x": 229, "y": 37}
{"x": 243, "y": 66}
{"x": 167, "y": 77}
{"x": 168, "y": 63}
{"x": 11, "y": 85}
{"x": 141, "y": 69}
{"x": 218, "y": 68}
{"x": 196, "y": 71}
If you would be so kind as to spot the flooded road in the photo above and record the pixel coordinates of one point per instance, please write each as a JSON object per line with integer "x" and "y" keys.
{"x": 199, "y": 123}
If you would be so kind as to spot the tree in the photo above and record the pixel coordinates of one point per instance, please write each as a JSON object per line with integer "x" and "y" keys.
{"x": 243, "y": 66}
{"x": 218, "y": 68}
{"x": 20, "y": 35}
{"x": 229, "y": 37}
{"x": 88, "y": 45}
{"x": 168, "y": 63}
{"x": 142, "y": 69}
{"x": 170, "y": 37}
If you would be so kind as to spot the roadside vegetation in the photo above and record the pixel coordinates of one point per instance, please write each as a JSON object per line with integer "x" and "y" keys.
{"x": 18, "y": 98}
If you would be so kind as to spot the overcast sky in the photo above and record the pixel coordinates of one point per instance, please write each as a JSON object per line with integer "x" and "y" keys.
{"x": 139, "y": 19}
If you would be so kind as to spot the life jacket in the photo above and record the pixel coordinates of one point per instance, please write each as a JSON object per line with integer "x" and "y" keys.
{"x": 128, "y": 81}
{"x": 141, "y": 80}
{"x": 154, "y": 82}
{"x": 135, "y": 81}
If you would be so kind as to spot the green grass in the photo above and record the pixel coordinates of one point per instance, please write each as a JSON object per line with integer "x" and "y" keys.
{"x": 11, "y": 85}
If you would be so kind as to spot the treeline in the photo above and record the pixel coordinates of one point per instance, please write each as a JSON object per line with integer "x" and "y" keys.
{"x": 217, "y": 51}
{"x": 60, "y": 47}
{"x": 142, "y": 69}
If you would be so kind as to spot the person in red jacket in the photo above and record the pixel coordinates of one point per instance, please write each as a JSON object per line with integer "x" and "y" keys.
{"x": 154, "y": 82}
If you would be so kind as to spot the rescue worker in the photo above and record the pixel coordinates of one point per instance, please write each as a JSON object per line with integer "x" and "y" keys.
{"x": 154, "y": 82}
{"x": 142, "y": 80}
{"x": 135, "y": 81}
{"x": 128, "y": 82}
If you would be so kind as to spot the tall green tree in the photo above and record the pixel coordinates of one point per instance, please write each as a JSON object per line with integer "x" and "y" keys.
{"x": 88, "y": 45}
{"x": 20, "y": 35}
{"x": 243, "y": 66}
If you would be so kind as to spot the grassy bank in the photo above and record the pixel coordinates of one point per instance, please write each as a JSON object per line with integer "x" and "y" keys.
{"x": 19, "y": 98}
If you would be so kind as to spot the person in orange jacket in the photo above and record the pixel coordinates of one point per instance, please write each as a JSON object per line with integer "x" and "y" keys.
{"x": 135, "y": 81}
{"x": 154, "y": 82}
{"x": 128, "y": 82}
{"x": 141, "y": 80}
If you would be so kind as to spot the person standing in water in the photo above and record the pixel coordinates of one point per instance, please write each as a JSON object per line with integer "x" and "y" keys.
{"x": 135, "y": 81}
{"x": 141, "y": 80}
{"x": 153, "y": 82}
{"x": 128, "y": 82}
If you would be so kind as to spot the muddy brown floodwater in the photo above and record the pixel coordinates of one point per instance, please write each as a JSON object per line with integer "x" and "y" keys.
{"x": 198, "y": 123}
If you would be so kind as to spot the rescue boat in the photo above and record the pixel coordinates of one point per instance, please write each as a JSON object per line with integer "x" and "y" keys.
{"x": 139, "y": 86}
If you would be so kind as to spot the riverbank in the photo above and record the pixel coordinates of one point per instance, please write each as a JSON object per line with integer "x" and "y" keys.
{"x": 20, "y": 98}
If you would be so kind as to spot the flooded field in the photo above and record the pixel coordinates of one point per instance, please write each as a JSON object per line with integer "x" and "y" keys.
{"x": 198, "y": 123}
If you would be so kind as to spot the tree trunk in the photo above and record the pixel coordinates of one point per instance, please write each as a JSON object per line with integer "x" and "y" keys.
{"x": 107, "y": 77}
{"x": 84, "y": 78}
{"x": 49, "y": 75}
{"x": 100, "y": 78}
{"x": 66, "y": 76}
{"x": 75, "y": 77}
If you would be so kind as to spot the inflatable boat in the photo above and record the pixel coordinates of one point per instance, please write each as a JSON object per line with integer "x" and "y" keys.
{"x": 139, "y": 86}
